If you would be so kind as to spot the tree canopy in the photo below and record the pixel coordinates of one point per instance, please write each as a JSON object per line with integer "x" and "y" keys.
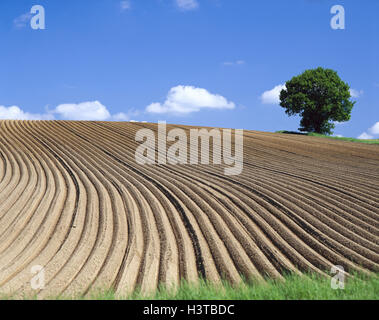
{"x": 320, "y": 97}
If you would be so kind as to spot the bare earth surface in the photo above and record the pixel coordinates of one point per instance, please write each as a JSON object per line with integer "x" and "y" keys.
{"x": 74, "y": 200}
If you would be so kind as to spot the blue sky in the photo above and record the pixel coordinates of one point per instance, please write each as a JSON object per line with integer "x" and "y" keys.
{"x": 197, "y": 62}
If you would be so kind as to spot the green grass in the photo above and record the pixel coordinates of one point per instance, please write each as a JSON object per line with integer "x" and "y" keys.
{"x": 312, "y": 134}
{"x": 295, "y": 287}
{"x": 311, "y": 287}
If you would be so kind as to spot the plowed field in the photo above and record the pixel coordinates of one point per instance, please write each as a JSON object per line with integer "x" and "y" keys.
{"x": 74, "y": 200}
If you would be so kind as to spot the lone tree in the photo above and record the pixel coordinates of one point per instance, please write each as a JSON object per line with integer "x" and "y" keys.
{"x": 319, "y": 96}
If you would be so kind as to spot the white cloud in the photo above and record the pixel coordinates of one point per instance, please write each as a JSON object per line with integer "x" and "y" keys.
{"x": 92, "y": 110}
{"x": 234, "y": 63}
{"x": 120, "y": 117}
{"x": 355, "y": 93}
{"x": 83, "y": 111}
{"x": 15, "y": 113}
{"x": 338, "y": 135}
{"x": 375, "y": 129}
{"x": 21, "y": 21}
{"x": 365, "y": 136}
{"x": 125, "y": 5}
{"x": 272, "y": 96}
{"x": 188, "y": 99}
{"x": 186, "y": 5}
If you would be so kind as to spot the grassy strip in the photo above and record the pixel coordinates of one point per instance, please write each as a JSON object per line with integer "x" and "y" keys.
{"x": 294, "y": 287}
{"x": 312, "y": 134}
{"x": 310, "y": 287}
{"x": 369, "y": 141}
